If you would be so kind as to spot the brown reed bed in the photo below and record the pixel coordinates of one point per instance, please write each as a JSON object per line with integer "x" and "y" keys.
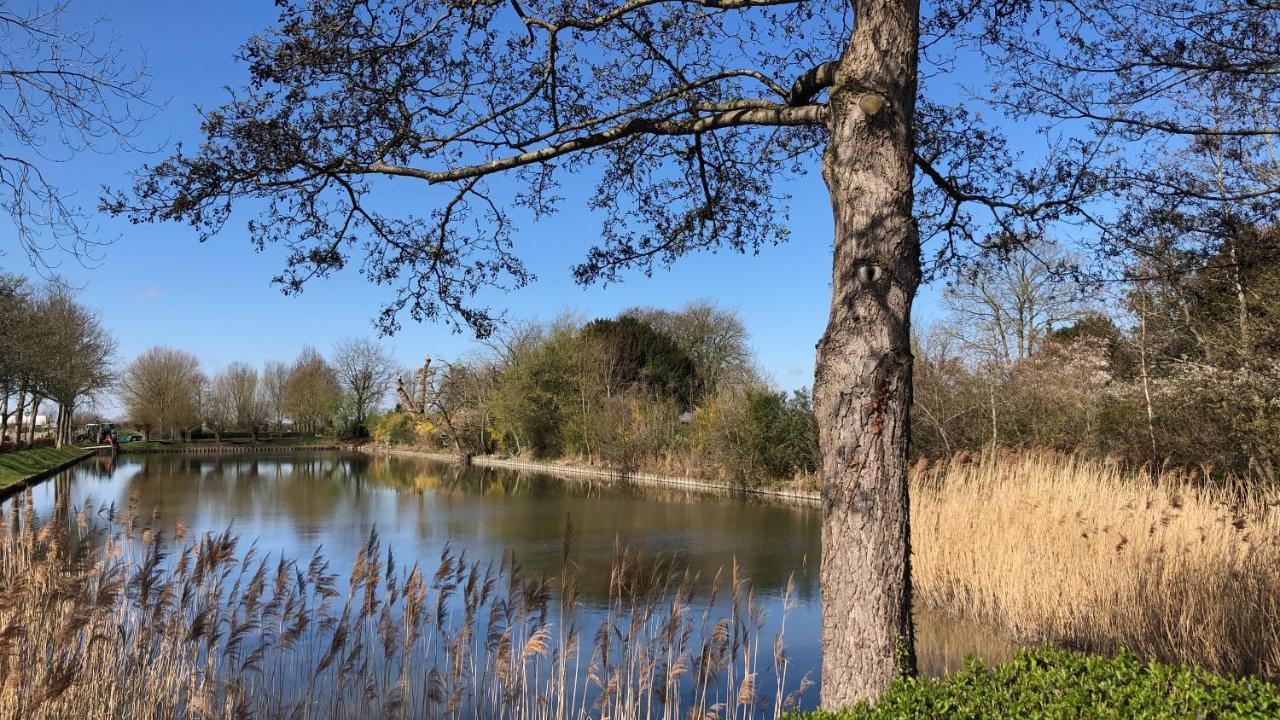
{"x": 104, "y": 616}
{"x": 1080, "y": 553}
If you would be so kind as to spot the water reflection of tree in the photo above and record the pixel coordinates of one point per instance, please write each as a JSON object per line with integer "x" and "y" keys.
{"x": 486, "y": 511}
{"x": 703, "y": 534}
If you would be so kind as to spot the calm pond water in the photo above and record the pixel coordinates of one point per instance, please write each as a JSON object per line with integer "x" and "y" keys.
{"x": 297, "y": 502}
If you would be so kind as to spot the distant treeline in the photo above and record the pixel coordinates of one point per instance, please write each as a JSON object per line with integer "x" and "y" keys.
{"x": 55, "y": 357}
{"x": 166, "y": 394}
{"x": 1180, "y": 365}
{"x": 672, "y": 391}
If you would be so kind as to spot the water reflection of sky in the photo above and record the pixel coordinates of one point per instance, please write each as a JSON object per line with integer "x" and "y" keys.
{"x": 296, "y": 503}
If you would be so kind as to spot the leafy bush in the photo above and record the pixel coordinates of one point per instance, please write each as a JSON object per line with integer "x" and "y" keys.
{"x": 395, "y": 429}
{"x": 782, "y": 433}
{"x": 1054, "y": 684}
{"x": 756, "y": 436}
{"x": 642, "y": 355}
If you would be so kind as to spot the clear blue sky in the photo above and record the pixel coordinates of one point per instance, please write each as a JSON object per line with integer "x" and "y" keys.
{"x": 158, "y": 285}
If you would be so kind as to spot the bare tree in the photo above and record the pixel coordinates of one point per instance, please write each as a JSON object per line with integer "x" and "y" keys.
{"x": 161, "y": 390}
{"x": 1178, "y": 102}
{"x": 16, "y": 347}
{"x": 275, "y": 377}
{"x": 943, "y": 401}
{"x": 1002, "y": 312}
{"x": 445, "y": 394}
{"x": 1005, "y": 310}
{"x": 366, "y": 372}
{"x": 235, "y": 401}
{"x": 312, "y": 392}
{"x": 216, "y": 411}
{"x": 714, "y": 338}
{"x": 77, "y": 353}
{"x": 65, "y": 88}
{"x": 51, "y": 348}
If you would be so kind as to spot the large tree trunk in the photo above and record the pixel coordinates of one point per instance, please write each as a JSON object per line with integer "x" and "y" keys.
{"x": 862, "y": 385}
{"x": 65, "y": 411}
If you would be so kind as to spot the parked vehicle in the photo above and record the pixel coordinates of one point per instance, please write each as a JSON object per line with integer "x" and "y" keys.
{"x": 94, "y": 433}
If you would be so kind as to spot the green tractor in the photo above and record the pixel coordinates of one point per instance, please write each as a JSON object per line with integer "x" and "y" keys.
{"x": 94, "y": 433}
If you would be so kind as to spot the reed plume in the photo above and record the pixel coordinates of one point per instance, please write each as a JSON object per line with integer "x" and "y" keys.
{"x": 106, "y": 616}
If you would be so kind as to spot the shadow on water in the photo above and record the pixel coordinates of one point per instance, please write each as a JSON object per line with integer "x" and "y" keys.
{"x": 293, "y": 503}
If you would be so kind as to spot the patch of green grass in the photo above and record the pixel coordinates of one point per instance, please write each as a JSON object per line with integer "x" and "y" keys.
{"x": 17, "y": 466}
{"x": 1052, "y": 684}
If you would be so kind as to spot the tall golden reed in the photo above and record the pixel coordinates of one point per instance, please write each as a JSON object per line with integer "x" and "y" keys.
{"x": 1077, "y": 552}
{"x": 102, "y": 616}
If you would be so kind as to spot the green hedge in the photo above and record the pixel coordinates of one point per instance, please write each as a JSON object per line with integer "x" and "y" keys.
{"x": 1051, "y": 684}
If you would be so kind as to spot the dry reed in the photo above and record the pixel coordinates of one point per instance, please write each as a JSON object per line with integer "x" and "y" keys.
{"x": 1079, "y": 553}
{"x": 101, "y": 616}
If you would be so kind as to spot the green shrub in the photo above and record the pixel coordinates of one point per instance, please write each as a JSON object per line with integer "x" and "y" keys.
{"x": 781, "y": 432}
{"x": 1053, "y": 684}
{"x": 641, "y": 355}
{"x": 394, "y": 429}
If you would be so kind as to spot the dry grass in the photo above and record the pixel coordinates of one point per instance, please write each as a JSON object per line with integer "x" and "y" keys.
{"x": 1078, "y": 553}
{"x": 101, "y": 617}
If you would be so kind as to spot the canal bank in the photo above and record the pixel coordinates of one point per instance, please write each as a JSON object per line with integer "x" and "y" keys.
{"x": 201, "y": 448}
{"x": 23, "y": 468}
{"x": 803, "y": 497}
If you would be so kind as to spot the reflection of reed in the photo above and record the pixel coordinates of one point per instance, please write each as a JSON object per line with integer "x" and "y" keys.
{"x": 944, "y": 642}
{"x": 128, "y": 625}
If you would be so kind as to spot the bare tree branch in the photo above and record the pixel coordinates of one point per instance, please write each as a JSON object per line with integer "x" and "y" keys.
{"x": 63, "y": 90}
{"x": 768, "y": 115}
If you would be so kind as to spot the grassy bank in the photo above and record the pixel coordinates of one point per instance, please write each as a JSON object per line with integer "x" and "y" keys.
{"x": 794, "y": 492}
{"x": 1080, "y": 554}
{"x": 1054, "y": 684}
{"x": 18, "y": 466}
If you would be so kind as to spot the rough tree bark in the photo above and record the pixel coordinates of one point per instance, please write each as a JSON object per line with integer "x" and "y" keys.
{"x": 63, "y": 433}
{"x": 862, "y": 384}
